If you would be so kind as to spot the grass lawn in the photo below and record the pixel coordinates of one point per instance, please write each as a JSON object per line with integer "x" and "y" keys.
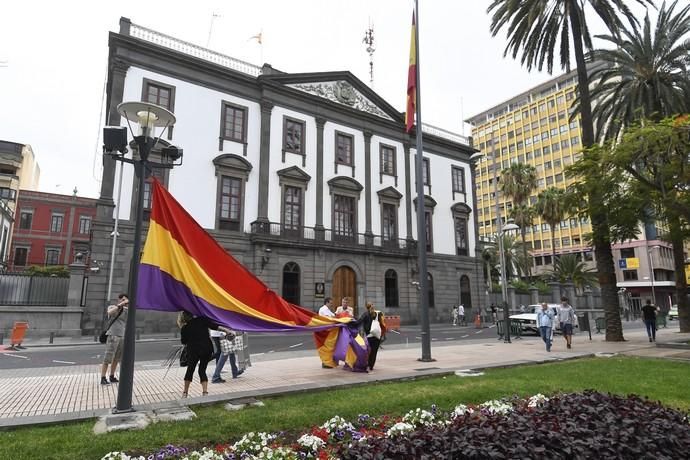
{"x": 657, "y": 379}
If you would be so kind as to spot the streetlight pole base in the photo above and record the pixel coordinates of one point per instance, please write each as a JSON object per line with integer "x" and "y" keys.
{"x": 123, "y": 411}
{"x": 426, "y": 360}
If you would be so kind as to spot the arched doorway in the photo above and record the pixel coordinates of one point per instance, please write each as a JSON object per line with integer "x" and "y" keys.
{"x": 291, "y": 285}
{"x": 345, "y": 285}
{"x": 465, "y": 294}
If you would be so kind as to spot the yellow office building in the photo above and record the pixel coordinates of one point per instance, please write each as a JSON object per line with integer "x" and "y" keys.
{"x": 534, "y": 127}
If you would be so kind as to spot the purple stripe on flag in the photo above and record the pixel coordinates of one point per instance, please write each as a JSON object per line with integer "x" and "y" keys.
{"x": 160, "y": 291}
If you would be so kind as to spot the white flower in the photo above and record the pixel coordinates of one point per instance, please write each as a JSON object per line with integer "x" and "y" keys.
{"x": 537, "y": 400}
{"x": 461, "y": 410}
{"x": 311, "y": 442}
{"x": 496, "y": 406}
{"x": 419, "y": 417}
{"x": 337, "y": 423}
{"x": 399, "y": 428}
{"x": 253, "y": 443}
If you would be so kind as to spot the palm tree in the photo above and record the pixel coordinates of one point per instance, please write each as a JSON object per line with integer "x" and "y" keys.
{"x": 518, "y": 182}
{"x": 551, "y": 208}
{"x": 648, "y": 75}
{"x": 570, "y": 267}
{"x": 540, "y": 29}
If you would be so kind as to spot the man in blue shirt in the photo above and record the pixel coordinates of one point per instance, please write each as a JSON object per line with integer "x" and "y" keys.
{"x": 545, "y": 323}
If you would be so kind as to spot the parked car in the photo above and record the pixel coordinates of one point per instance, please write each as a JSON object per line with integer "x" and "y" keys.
{"x": 673, "y": 312}
{"x": 528, "y": 320}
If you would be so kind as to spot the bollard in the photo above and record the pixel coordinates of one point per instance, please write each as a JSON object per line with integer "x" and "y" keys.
{"x": 52, "y": 336}
{"x": 174, "y": 331}
{"x": 138, "y": 333}
{"x": 2, "y": 337}
{"x": 95, "y": 336}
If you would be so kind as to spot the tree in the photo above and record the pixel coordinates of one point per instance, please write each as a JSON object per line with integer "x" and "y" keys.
{"x": 569, "y": 267}
{"x": 648, "y": 78}
{"x": 647, "y": 75}
{"x": 538, "y": 29}
{"x": 655, "y": 154}
{"x": 518, "y": 182}
{"x": 551, "y": 208}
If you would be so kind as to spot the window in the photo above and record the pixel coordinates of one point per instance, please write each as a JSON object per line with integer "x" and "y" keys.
{"x": 291, "y": 283}
{"x": 629, "y": 275}
{"x": 159, "y": 94}
{"x": 461, "y": 245}
{"x": 344, "y": 144}
{"x": 536, "y": 244}
{"x": 389, "y": 222}
{"x": 458, "y": 179}
{"x": 344, "y": 217}
{"x": 233, "y": 124}
{"x": 20, "y": 256}
{"x": 425, "y": 171}
{"x": 56, "y": 223}
{"x": 160, "y": 175}
{"x": 565, "y": 241}
{"x": 84, "y": 225}
{"x": 391, "y": 288}
{"x": 388, "y": 165}
{"x": 230, "y": 203}
{"x": 430, "y": 282}
{"x": 25, "y": 219}
{"x": 232, "y": 172}
{"x": 8, "y": 193}
{"x": 555, "y": 147}
{"x": 293, "y": 136}
{"x": 627, "y": 253}
{"x": 429, "y": 231}
{"x": 292, "y": 209}
{"x": 574, "y": 140}
{"x": 52, "y": 256}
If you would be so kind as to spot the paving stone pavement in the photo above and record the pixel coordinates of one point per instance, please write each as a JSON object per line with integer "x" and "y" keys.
{"x": 50, "y": 395}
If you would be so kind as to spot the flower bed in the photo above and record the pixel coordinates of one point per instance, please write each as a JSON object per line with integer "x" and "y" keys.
{"x": 569, "y": 426}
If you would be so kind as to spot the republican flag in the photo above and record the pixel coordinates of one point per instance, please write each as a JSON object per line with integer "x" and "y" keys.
{"x": 411, "y": 81}
{"x": 184, "y": 268}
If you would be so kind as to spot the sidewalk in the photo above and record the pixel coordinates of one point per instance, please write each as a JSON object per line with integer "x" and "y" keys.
{"x": 50, "y": 395}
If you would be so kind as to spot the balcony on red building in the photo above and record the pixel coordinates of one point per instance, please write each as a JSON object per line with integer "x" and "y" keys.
{"x": 50, "y": 229}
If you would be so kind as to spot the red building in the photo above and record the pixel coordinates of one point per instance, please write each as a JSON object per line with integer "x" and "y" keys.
{"x": 50, "y": 229}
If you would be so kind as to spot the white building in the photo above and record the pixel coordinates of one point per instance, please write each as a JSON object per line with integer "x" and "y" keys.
{"x": 307, "y": 178}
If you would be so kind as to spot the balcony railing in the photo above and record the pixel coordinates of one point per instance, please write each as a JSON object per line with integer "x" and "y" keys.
{"x": 299, "y": 233}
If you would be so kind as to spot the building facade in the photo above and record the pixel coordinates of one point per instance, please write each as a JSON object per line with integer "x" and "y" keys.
{"x": 534, "y": 128}
{"x": 18, "y": 171}
{"x": 307, "y": 179}
{"x": 50, "y": 229}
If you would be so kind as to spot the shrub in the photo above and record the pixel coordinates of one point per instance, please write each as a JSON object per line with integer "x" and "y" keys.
{"x": 58, "y": 271}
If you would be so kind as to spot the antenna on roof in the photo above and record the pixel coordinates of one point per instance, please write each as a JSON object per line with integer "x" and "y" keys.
{"x": 210, "y": 28}
{"x": 369, "y": 41}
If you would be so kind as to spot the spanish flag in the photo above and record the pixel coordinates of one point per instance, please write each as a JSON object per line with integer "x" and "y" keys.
{"x": 411, "y": 81}
{"x": 184, "y": 268}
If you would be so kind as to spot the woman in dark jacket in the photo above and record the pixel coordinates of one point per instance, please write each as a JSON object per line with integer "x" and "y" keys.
{"x": 194, "y": 335}
{"x": 373, "y": 337}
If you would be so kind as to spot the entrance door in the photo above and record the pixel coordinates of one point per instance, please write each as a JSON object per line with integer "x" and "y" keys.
{"x": 344, "y": 285}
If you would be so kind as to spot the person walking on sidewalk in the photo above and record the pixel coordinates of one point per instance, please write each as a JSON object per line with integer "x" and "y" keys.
{"x": 227, "y": 352}
{"x": 461, "y": 315}
{"x": 566, "y": 318}
{"x": 194, "y": 335}
{"x": 374, "y": 329}
{"x": 649, "y": 318}
{"x": 113, "y": 346}
{"x": 545, "y": 323}
{"x": 454, "y": 316}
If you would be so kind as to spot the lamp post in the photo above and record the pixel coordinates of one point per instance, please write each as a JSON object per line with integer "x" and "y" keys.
{"x": 500, "y": 232}
{"x": 149, "y": 117}
{"x": 650, "y": 262}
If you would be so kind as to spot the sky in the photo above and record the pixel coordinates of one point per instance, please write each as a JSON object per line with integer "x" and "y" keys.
{"x": 53, "y": 59}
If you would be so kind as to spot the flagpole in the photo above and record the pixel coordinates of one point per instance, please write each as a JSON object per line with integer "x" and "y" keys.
{"x": 421, "y": 222}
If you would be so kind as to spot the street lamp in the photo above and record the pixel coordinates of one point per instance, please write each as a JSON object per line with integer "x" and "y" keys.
{"x": 650, "y": 262}
{"x": 149, "y": 117}
{"x": 500, "y": 231}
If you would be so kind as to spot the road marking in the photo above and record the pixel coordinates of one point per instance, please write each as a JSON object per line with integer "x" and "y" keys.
{"x": 493, "y": 325}
{"x": 478, "y": 332}
{"x": 257, "y": 354}
{"x": 450, "y": 338}
{"x": 15, "y": 356}
{"x": 63, "y": 362}
{"x": 418, "y": 338}
{"x": 433, "y": 339}
{"x": 393, "y": 330}
{"x": 466, "y": 335}
{"x": 296, "y": 345}
{"x": 150, "y": 365}
{"x": 270, "y": 351}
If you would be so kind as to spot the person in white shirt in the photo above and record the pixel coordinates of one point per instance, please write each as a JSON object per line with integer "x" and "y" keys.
{"x": 325, "y": 310}
{"x": 461, "y": 315}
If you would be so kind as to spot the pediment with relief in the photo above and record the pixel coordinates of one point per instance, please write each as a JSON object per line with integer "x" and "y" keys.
{"x": 341, "y": 92}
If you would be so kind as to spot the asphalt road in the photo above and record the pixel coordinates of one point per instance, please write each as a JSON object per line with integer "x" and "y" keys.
{"x": 261, "y": 346}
